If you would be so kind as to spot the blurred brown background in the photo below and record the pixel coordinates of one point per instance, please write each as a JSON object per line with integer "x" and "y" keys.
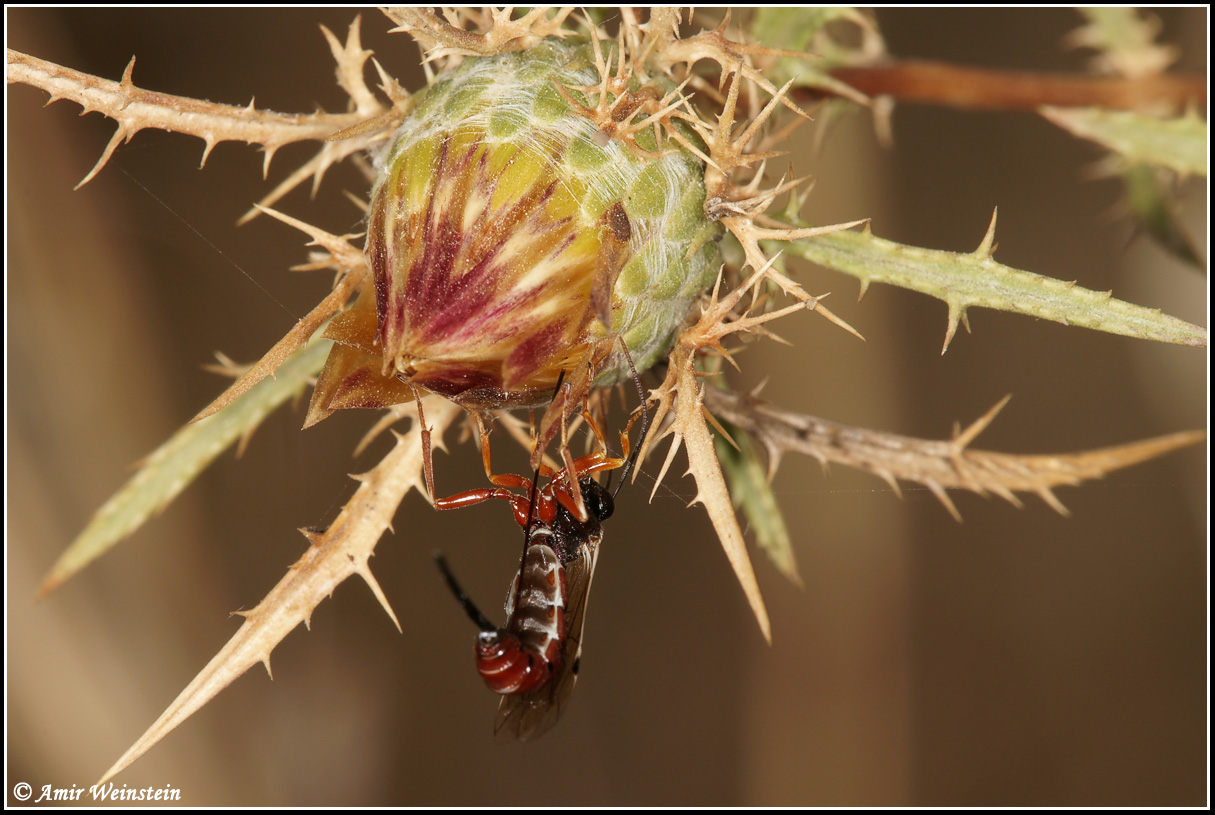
{"x": 1019, "y": 658}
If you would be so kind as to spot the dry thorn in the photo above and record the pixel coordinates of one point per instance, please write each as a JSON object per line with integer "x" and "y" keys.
{"x": 334, "y": 554}
{"x": 135, "y": 109}
{"x": 938, "y": 465}
{"x": 352, "y": 269}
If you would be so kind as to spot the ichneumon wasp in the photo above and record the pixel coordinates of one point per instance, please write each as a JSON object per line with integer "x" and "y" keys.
{"x": 533, "y": 659}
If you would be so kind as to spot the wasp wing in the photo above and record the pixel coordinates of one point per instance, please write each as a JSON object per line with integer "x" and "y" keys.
{"x": 525, "y": 716}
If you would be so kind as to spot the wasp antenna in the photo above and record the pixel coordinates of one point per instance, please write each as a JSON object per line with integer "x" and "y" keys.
{"x": 531, "y": 514}
{"x": 469, "y": 607}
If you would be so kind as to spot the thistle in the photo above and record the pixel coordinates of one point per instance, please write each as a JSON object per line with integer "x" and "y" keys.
{"x": 563, "y": 195}
{"x": 512, "y": 239}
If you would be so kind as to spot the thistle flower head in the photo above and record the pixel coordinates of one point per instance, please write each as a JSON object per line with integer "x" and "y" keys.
{"x": 512, "y": 238}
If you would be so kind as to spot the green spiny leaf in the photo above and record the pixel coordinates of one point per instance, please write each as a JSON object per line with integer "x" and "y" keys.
{"x": 173, "y": 466}
{"x": 1180, "y": 143}
{"x": 1126, "y": 40}
{"x": 1153, "y": 206}
{"x": 976, "y": 279}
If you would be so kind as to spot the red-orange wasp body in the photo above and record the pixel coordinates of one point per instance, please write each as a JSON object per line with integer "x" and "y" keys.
{"x": 533, "y": 659}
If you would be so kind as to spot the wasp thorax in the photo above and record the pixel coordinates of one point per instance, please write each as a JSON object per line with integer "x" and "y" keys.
{"x": 510, "y": 241}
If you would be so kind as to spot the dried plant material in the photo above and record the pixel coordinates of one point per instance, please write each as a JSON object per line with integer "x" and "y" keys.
{"x": 342, "y": 550}
{"x": 352, "y": 269}
{"x": 750, "y": 489}
{"x": 442, "y": 38}
{"x": 690, "y": 430}
{"x": 806, "y": 29}
{"x": 683, "y": 392}
{"x": 136, "y": 109}
{"x": 938, "y": 465}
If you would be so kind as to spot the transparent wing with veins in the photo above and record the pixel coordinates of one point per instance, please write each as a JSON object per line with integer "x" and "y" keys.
{"x": 525, "y": 716}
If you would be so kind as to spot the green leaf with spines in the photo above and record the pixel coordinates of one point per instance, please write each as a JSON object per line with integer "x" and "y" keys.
{"x": 1153, "y": 204}
{"x": 173, "y": 466}
{"x": 964, "y": 280}
{"x": 1125, "y": 39}
{"x": 1178, "y": 143}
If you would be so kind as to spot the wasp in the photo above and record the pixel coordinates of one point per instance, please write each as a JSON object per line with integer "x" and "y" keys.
{"x": 533, "y": 659}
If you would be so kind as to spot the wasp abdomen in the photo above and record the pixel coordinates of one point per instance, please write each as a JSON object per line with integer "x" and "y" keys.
{"x": 521, "y": 656}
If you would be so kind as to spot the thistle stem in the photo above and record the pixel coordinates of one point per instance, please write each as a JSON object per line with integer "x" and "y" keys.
{"x": 987, "y": 89}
